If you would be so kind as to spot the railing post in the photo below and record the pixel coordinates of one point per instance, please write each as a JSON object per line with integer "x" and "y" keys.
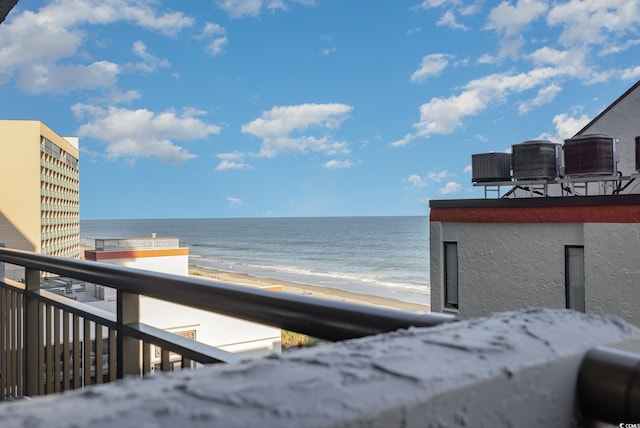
{"x": 32, "y": 333}
{"x": 128, "y": 311}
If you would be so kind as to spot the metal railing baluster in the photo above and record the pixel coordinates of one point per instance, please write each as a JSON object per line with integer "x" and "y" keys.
{"x": 4, "y": 340}
{"x": 146, "y": 357}
{"x": 57, "y": 372}
{"x": 66, "y": 353}
{"x": 98, "y": 352}
{"x": 48, "y": 348}
{"x": 86, "y": 357}
{"x": 112, "y": 355}
{"x": 76, "y": 351}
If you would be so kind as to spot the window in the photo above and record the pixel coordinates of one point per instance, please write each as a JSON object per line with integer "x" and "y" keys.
{"x": 574, "y": 277}
{"x": 451, "y": 275}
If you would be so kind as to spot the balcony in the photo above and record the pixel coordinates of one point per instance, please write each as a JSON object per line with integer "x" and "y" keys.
{"x": 526, "y": 368}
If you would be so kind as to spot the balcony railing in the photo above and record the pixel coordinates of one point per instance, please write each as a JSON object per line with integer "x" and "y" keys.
{"x": 49, "y": 343}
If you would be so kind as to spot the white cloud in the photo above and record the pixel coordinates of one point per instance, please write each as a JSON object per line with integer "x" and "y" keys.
{"x": 415, "y": 180}
{"x": 619, "y": 47}
{"x": 338, "y": 164}
{"x": 327, "y": 51}
{"x": 468, "y": 169}
{"x": 449, "y": 20}
{"x": 277, "y": 126}
{"x": 450, "y": 187}
{"x": 487, "y": 59}
{"x": 141, "y": 133}
{"x": 233, "y": 160}
{"x": 631, "y": 73}
{"x": 545, "y": 96}
{"x": 439, "y": 176}
{"x": 594, "y": 22}
{"x": 150, "y": 63}
{"x": 217, "y": 38}
{"x": 403, "y": 141}
{"x": 234, "y": 202}
{"x": 445, "y": 115}
{"x": 117, "y": 97}
{"x": 510, "y": 47}
{"x": 243, "y": 8}
{"x": 280, "y": 121}
{"x": 429, "y": 4}
{"x": 212, "y": 29}
{"x": 66, "y": 78}
{"x": 510, "y": 20}
{"x": 39, "y": 48}
{"x": 432, "y": 65}
{"x": 216, "y": 46}
{"x": 567, "y": 126}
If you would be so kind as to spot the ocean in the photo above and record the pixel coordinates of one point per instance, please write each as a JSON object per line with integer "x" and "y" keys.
{"x": 381, "y": 256}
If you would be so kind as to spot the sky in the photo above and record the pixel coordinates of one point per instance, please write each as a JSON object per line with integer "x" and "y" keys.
{"x": 286, "y": 108}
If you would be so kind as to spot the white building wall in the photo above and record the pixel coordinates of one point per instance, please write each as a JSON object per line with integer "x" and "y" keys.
{"x": 504, "y": 266}
{"x": 227, "y": 333}
{"x": 507, "y": 266}
{"x": 176, "y": 265}
{"x": 612, "y": 270}
{"x": 508, "y": 370}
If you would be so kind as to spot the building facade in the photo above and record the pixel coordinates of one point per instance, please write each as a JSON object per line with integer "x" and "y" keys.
{"x": 164, "y": 255}
{"x": 40, "y": 195}
{"x": 558, "y": 242}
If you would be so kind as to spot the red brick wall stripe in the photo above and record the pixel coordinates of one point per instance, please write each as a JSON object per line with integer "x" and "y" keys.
{"x": 560, "y": 214}
{"x": 134, "y": 254}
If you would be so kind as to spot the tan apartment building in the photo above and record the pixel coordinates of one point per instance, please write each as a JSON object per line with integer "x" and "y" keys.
{"x": 40, "y": 191}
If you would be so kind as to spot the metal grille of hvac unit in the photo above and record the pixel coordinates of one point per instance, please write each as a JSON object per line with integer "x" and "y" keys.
{"x": 489, "y": 167}
{"x": 536, "y": 159}
{"x": 590, "y": 155}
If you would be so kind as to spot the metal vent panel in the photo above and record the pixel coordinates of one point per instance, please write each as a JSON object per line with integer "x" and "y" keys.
{"x": 590, "y": 155}
{"x": 488, "y": 167}
{"x": 539, "y": 159}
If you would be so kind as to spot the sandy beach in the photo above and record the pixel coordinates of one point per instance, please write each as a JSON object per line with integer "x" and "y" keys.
{"x": 303, "y": 289}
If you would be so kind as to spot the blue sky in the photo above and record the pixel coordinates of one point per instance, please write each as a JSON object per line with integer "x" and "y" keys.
{"x": 251, "y": 108}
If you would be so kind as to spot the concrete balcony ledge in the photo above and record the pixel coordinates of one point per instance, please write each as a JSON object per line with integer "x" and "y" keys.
{"x": 510, "y": 369}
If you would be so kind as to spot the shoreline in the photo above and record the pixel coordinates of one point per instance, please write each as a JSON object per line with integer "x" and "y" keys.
{"x": 304, "y": 289}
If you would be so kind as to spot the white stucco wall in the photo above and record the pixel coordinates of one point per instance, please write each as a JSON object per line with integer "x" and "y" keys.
{"x": 230, "y": 334}
{"x": 176, "y": 265}
{"x": 508, "y": 370}
{"x": 508, "y": 266}
{"x": 504, "y": 266}
{"x": 612, "y": 270}
{"x": 227, "y": 333}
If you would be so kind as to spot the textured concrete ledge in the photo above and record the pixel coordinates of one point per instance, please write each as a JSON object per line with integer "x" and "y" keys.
{"x": 511, "y": 369}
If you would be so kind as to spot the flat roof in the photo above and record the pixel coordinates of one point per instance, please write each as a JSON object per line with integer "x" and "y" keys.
{"x": 549, "y": 201}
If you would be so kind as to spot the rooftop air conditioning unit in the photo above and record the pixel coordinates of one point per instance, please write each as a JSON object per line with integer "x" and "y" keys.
{"x": 490, "y": 167}
{"x": 592, "y": 154}
{"x": 536, "y": 159}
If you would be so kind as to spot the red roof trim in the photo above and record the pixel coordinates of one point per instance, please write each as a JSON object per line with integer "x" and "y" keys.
{"x": 558, "y": 214}
{"x": 134, "y": 254}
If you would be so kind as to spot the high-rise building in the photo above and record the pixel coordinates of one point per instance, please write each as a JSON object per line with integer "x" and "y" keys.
{"x": 40, "y": 191}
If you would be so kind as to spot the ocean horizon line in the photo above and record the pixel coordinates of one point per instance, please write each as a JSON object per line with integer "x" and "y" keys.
{"x": 257, "y": 217}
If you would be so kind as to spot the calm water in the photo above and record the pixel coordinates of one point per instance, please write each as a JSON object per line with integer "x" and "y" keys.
{"x": 383, "y": 256}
